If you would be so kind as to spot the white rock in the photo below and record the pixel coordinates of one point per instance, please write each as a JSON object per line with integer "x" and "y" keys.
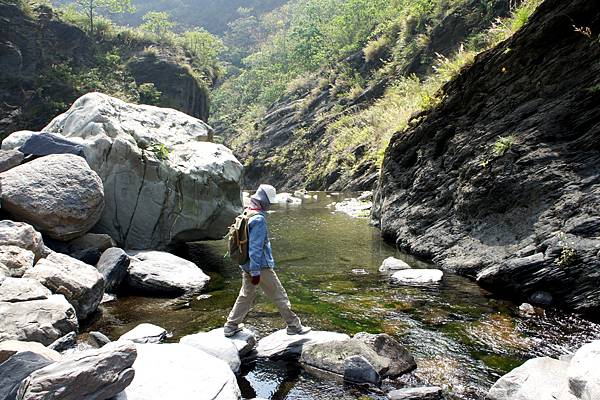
{"x": 145, "y": 333}
{"x": 185, "y": 373}
{"x": 16, "y": 140}
{"x": 188, "y": 192}
{"x": 244, "y": 340}
{"x": 393, "y": 264}
{"x": 160, "y": 272}
{"x": 281, "y": 345}
{"x": 417, "y": 393}
{"x": 537, "y": 379}
{"x": 92, "y": 374}
{"x": 16, "y": 260}
{"x": 215, "y": 345}
{"x": 14, "y": 290}
{"x": 22, "y": 235}
{"x": 58, "y": 194}
{"x": 417, "y": 276}
{"x": 584, "y": 372}
{"x": 41, "y": 321}
{"x": 80, "y": 283}
{"x": 286, "y": 198}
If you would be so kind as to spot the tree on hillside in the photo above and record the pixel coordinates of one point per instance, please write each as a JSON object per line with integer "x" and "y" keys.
{"x": 91, "y": 8}
{"x": 159, "y": 24}
{"x": 205, "y": 49}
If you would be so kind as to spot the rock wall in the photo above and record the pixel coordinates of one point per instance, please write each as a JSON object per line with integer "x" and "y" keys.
{"x": 503, "y": 178}
{"x": 298, "y": 122}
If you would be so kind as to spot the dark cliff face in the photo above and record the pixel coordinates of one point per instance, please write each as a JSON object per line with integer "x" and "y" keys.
{"x": 295, "y": 128}
{"x": 179, "y": 89}
{"x": 27, "y": 47}
{"x": 40, "y": 57}
{"x": 502, "y": 180}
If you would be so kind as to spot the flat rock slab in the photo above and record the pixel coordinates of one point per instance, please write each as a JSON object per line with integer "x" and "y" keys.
{"x": 47, "y": 143}
{"x": 244, "y": 340}
{"x": 10, "y": 347}
{"x": 80, "y": 283}
{"x": 215, "y": 345}
{"x": 22, "y": 235}
{"x": 419, "y": 393}
{"x": 281, "y": 345}
{"x": 41, "y": 321}
{"x": 14, "y": 290}
{"x": 538, "y": 378}
{"x": 58, "y": 194}
{"x": 92, "y": 374}
{"x": 17, "y": 260}
{"x": 393, "y": 264}
{"x": 164, "y": 273}
{"x": 184, "y": 373}
{"x": 16, "y": 369}
{"x": 417, "y": 276}
{"x": 145, "y": 333}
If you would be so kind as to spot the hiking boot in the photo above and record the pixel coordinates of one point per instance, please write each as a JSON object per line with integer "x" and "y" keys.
{"x": 229, "y": 331}
{"x": 300, "y": 330}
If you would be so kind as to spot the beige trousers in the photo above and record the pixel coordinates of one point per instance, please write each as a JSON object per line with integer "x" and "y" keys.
{"x": 271, "y": 286}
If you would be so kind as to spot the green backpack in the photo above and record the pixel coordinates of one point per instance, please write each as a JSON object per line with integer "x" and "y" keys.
{"x": 238, "y": 238}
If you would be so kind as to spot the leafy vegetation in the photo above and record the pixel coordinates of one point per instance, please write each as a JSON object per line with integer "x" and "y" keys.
{"x": 502, "y": 145}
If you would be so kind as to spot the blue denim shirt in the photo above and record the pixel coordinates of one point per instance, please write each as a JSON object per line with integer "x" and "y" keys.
{"x": 259, "y": 246}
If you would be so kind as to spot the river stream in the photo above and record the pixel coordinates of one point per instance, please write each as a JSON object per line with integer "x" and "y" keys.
{"x": 463, "y": 337}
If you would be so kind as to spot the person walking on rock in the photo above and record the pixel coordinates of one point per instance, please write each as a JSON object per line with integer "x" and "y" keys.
{"x": 258, "y": 271}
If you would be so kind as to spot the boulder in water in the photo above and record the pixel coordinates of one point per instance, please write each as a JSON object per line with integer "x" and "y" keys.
{"x": 417, "y": 393}
{"x": 113, "y": 266}
{"x": 80, "y": 283}
{"x": 164, "y": 273}
{"x": 417, "y": 276}
{"x": 145, "y": 333}
{"x": 281, "y": 345}
{"x": 393, "y": 264}
{"x": 164, "y": 183}
{"x": 58, "y": 194}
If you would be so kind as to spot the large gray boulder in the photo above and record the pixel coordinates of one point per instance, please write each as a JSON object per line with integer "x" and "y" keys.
{"x": 184, "y": 373}
{"x": 537, "y": 379}
{"x": 281, "y": 345}
{"x": 90, "y": 375}
{"x": 113, "y": 266}
{"x": 215, "y": 345}
{"x": 16, "y": 369}
{"x": 22, "y": 235}
{"x": 164, "y": 273}
{"x": 14, "y": 290}
{"x": 80, "y": 283}
{"x": 41, "y": 321}
{"x": 16, "y": 260}
{"x": 164, "y": 183}
{"x": 58, "y": 194}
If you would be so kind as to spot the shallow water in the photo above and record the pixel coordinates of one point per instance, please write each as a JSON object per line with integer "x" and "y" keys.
{"x": 463, "y": 338}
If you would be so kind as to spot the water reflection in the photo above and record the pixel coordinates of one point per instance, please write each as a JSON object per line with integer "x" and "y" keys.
{"x": 462, "y": 337}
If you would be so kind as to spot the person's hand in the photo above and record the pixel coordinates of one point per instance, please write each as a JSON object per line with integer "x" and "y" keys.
{"x": 256, "y": 280}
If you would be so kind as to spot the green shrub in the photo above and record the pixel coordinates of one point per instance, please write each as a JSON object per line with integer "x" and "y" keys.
{"x": 503, "y": 145}
{"x": 149, "y": 94}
